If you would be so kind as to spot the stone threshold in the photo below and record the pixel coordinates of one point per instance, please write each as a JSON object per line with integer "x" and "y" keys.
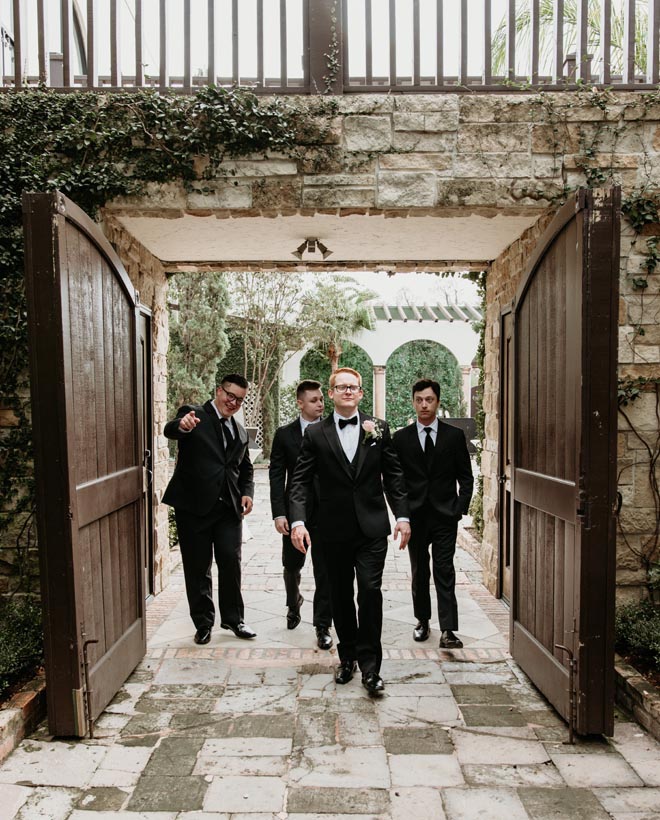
{"x": 22, "y": 714}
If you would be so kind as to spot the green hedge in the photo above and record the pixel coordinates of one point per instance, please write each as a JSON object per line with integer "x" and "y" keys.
{"x": 637, "y": 630}
{"x": 21, "y": 640}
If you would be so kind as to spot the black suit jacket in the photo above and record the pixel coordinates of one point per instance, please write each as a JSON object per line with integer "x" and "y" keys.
{"x": 342, "y": 488}
{"x": 435, "y": 485}
{"x": 283, "y": 456}
{"x": 205, "y": 468}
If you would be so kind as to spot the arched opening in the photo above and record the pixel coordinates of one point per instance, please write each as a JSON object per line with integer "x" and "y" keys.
{"x": 419, "y": 359}
{"x": 316, "y": 365}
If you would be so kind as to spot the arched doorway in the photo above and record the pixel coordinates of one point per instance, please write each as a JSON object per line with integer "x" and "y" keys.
{"x": 418, "y": 359}
{"x": 316, "y": 365}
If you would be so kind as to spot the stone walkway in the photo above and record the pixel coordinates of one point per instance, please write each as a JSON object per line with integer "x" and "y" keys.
{"x": 260, "y": 730}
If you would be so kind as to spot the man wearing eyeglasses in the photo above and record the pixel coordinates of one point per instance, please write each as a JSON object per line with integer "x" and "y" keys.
{"x": 352, "y": 456}
{"x": 211, "y": 490}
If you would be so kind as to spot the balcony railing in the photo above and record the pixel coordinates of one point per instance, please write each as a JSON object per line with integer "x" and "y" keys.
{"x": 330, "y": 46}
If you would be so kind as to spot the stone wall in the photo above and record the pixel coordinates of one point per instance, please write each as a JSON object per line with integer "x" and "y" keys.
{"x": 148, "y": 276}
{"x": 410, "y": 155}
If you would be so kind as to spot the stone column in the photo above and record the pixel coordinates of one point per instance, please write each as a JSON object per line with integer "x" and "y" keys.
{"x": 466, "y": 376}
{"x": 379, "y": 390}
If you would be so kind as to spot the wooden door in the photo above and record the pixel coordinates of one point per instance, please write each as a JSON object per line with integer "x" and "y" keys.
{"x": 564, "y": 461}
{"x": 505, "y": 454}
{"x": 87, "y": 424}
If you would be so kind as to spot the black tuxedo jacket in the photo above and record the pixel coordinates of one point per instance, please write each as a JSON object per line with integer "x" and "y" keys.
{"x": 435, "y": 485}
{"x": 205, "y": 468}
{"x": 343, "y": 487}
{"x": 283, "y": 456}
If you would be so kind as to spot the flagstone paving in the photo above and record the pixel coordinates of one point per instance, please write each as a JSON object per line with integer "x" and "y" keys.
{"x": 249, "y": 731}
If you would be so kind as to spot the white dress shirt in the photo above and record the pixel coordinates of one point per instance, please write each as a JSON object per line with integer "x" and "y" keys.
{"x": 349, "y": 436}
{"x": 421, "y": 432}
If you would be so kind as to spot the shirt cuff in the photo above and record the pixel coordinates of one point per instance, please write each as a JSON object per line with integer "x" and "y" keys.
{"x": 279, "y": 518}
{"x": 406, "y": 520}
{"x": 297, "y": 524}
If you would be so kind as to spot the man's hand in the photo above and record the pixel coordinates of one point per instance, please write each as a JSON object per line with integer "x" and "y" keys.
{"x": 403, "y": 529}
{"x": 246, "y": 504}
{"x": 300, "y": 538}
{"x": 188, "y": 422}
{"x": 282, "y": 525}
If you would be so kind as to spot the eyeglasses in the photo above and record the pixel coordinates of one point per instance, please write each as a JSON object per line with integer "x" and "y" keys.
{"x": 347, "y": 388}
{"x": 231, "y": 397}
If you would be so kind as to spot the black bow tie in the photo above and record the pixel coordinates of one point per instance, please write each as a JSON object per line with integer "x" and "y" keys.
{"x": 344, "y": 422}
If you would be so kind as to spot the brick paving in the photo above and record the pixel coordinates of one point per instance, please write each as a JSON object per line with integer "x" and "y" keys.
{"x": 238, "y": 731}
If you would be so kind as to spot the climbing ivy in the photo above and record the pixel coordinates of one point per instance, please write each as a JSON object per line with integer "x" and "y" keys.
{"x": 96, "y": 147}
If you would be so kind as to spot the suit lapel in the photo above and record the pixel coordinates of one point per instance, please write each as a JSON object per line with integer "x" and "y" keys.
{"x": 362, "y": 447}
{"x": 330, "y": 432}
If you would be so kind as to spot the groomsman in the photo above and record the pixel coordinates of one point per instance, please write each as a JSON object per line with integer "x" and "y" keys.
{"x": 211, "y": 490}
{"x": 284, "y": 454}
{"x": 352, "y": 456}
{"x": 435, "y": 461}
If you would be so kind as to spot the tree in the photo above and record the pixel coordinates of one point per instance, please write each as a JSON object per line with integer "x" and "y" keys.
{"x": 198, "y": 339}
{"x": 419, "y": 360}
{"x": 267, "y": 318}
{"x": 546, "y": 34}
{"x": 334, "y": 311}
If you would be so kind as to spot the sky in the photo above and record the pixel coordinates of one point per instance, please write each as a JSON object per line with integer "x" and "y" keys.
{"x": 405, "y": 288}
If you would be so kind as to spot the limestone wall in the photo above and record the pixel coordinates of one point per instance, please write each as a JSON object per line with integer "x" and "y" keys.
{"x": 409, "y": 155}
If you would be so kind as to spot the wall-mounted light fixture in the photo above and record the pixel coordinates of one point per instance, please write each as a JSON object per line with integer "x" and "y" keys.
{"x": 311, "y": 246}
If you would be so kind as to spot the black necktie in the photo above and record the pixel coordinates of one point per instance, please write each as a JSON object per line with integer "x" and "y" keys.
{"x": 344, "y": 422}
{"x": 428, "y": 444}
{"x": 229, "y": 439}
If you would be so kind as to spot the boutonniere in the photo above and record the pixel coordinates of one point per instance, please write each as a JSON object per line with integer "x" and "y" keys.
{"x": 372, "y": 430}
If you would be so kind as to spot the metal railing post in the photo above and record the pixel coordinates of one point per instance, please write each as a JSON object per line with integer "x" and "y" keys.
{"x": 326, "y": 46}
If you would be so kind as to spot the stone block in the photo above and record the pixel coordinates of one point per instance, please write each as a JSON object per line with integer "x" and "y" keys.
{"x": 406, "y": 189}
{"x": 368, "y": 133}
{"x": 321, "y": 197}
{"x": 260, "y": 168}
{"x": 414, "y": 141}
{"x": 415, "y": 161}
{"x": 223, "y": 196}
{"x": 277, "y": 193}
{"x": 555, "y": 139}
{"x": 546, "y": 167}
{"x": 446, "y": 103}
{"x": 493, "y": 165}
{"x": 442, "y": 121}
{"x": 365, "y": 103}
{"x": 476, "y": 137}
{"x": 489, "y": 108}
{"x": 408, "y": 122}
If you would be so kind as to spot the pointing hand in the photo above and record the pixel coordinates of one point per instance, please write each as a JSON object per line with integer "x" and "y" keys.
{"x": 188, "y": 422}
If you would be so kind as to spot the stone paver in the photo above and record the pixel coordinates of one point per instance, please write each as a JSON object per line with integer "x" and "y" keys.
{"x": 259, "y": 730}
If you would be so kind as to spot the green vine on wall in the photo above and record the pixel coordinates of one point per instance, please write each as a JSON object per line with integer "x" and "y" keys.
{"x": 94, "y": 148}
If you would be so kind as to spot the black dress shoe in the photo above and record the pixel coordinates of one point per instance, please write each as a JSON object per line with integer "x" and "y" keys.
{"x": 323, "y": 637}
{"x": 293, "y": 615}
{"x": 373, "y": 683}
{"x": 422, "y": 631}
{"x": 449, "y": 641}
{"x": 203, "y": 635}
{"x": 345, "y": 671}
{"x": 240, "y": 630}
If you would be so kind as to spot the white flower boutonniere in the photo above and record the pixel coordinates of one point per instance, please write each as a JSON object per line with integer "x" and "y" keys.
{"x": 373, "y": 430}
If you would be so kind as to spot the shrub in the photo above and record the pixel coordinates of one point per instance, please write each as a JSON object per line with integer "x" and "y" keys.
{"x": 21, "y": 640}
{"x": 637, "y": 630}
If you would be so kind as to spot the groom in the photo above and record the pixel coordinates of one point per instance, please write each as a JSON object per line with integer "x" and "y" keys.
{"x": 353, "y": 457}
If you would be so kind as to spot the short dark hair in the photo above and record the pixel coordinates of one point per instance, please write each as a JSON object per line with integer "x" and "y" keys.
{"x": 423, "y": 384}
{"x": 235, "y": 378}
{"x": 304, "y": 386}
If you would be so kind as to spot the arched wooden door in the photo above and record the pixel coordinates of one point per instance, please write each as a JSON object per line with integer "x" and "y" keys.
{"x": 564, "y": 461}
{"x": 87, "y": 417}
